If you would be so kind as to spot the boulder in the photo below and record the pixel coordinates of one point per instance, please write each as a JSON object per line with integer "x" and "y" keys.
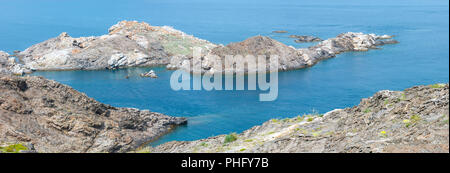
{"x": 150, "y": 74}
{"x": 305, "y": 38}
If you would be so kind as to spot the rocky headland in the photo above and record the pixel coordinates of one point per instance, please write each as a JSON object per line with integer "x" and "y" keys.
{"x": 289, "y": 58}
{"x": 40, "y": 115}
{"x": 409, "y": 121}
{"x": 135, "y": 44}
{"x": 127, "y": 44}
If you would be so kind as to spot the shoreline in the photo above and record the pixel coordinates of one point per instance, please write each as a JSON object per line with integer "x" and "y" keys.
{"x": 387, "y": 122}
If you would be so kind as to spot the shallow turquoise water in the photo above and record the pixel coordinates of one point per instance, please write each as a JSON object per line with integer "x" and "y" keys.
{"x": 422, "y": 57}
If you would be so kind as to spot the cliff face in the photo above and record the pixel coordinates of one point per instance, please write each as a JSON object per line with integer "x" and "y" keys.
{"x": 52, "y": 117}
{"x": 413, "y": 120}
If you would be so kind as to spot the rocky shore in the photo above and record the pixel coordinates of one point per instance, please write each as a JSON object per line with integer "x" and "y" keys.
{"x": 413, "y": 120}
{"x": 40, "y": 115}
{"x": 135, "y": 44}
{"x": 8, "y": 65}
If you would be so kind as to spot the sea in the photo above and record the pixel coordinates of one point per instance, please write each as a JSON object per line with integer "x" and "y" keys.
{"x": 421, "y": 57}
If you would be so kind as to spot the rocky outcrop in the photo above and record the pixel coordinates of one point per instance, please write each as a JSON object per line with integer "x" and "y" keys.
{"x": 128, "y": 44}
{"x": 289, "y": 57}
{"x": 8, "y": 65}
{"x": 52, "y": 117}
{"x": 413, "y": 120}
{"x": 305, "y": 38}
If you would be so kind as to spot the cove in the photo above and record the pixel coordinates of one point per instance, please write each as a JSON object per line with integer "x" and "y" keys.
{"x": 421, "y": 57}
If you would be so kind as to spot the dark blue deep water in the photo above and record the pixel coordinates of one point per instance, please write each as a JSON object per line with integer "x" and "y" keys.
{"x": 422, "y": 57}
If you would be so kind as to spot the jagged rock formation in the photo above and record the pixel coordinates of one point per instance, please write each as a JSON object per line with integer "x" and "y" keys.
{"x": 413, "y": 120}
{"x": 289, "y": 57}
{"x": 8, "y": 65}
{"x": 131, "y": 44}
{"x": 52, "y": 117}
{"x": 128, "y": 44}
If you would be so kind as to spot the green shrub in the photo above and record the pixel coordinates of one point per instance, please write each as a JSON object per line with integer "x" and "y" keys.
{"x": 437, "y": 85}
{"x": 230, "y": 138}
{"x": 14, "y": 148}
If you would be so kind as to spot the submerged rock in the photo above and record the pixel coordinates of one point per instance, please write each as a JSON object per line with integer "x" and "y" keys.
{"x": 410, "y": 121}
{"x": 280, "y": 31}
{"x": 151, "y": 74}
{"x": 56, "y": 118}
{"x": 305, "y": 38}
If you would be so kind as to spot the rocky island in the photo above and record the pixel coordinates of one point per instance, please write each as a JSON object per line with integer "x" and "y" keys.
{"x": 46, "y": 116}
{"x": 135, "y": 44}
{"x": 415, "y": 120}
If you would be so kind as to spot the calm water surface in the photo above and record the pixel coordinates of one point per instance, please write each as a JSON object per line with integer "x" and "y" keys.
{"x": 422, "y": 57}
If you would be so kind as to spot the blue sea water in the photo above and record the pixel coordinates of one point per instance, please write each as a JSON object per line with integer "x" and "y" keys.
{"x": 421, "y": 57}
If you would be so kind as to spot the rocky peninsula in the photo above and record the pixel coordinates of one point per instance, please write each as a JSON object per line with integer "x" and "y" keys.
{"x": 45, "y": 116}
{"x": 135, "y": 44}
{"x": 409, "y": 121}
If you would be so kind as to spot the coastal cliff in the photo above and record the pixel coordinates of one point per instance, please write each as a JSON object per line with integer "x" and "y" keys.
{"x": 135, "y": 44}
{"x": 413, "y": 120}
{"x": 46, "y": 116}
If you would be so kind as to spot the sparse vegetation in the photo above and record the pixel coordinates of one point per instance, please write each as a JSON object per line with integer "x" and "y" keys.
{"x": 403, "y": 97}
{"x": 367, "y": 110}
{"x": 386, "y": 102}
{"x": 14, "y": 148}
{"x": 249, "y": 140}
{"x": 204, "y": 144}
{"x": 300, "y": 118}
{"x": 415, "y": 118}
{"x": 316, "y": 134}
{"x": 230, "y": 138}
{"x": 310, "y": 119}
{"x": 383, "y": 134}
{"x": 412, "y": 120}
{"x": 437, "y": 85}
{"x": 243, "y": 149}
